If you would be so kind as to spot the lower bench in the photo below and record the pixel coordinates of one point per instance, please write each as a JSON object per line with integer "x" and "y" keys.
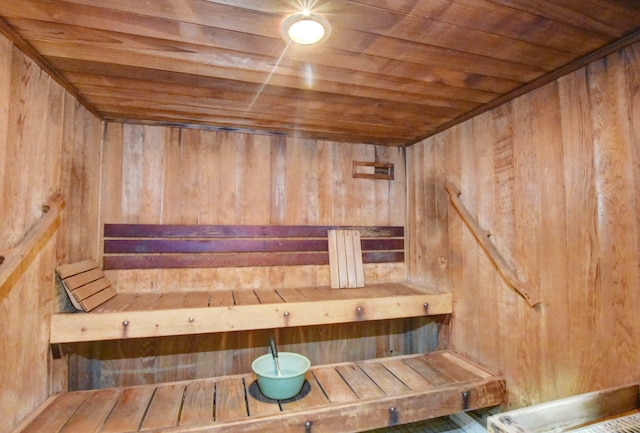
{"x": 346, "y": 397}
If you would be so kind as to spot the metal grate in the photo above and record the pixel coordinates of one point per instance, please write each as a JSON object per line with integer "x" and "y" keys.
{"x": 625, "y": 424}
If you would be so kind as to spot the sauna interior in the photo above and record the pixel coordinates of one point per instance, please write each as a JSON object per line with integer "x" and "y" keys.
{"x": 513, "y": 130}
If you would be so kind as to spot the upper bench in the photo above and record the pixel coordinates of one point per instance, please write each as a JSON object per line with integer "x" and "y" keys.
{"x": 185, "y": 311}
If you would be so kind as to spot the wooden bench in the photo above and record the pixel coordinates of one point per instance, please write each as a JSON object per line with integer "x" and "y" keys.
{"x": 135, "y": 315}
{"x": 346, "y": 397}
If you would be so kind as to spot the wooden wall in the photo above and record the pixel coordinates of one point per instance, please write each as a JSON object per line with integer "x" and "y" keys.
{"x": 555, "y": 177}
{"x": 191, "y": 176}
{"x": 153, "y": 174}
{"x": 39, "y": 126}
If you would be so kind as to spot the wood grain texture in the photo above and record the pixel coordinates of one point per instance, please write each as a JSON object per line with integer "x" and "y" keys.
{"x": 293, "y": 191}
{"x": 205, "y": 178}
{"x": 34, "y": 120}
{"x": 390, "y": 74}
{"x": 553, "y": 176}
{"x": 338, "y": 397}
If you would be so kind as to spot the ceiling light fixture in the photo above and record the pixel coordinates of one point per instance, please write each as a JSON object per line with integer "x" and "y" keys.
{"x": 305, "y": 28}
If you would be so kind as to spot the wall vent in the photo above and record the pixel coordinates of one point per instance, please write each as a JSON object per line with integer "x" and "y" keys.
{"x": 373, "y": 170}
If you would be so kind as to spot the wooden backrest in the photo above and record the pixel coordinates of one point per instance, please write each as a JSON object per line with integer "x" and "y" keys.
{"x": 345, "y": 259}
{"x": 86, "y": 284}
{"x": 152, "y": 246}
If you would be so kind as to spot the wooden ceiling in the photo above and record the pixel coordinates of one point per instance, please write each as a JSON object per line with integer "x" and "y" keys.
{"x": 393, "y": 71}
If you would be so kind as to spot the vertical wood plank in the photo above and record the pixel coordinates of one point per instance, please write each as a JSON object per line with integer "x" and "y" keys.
{"x": 580, "y": 197}
{"x": 617, "y": 223}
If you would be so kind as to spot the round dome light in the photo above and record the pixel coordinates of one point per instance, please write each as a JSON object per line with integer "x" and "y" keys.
{"x": 305, "y": 29}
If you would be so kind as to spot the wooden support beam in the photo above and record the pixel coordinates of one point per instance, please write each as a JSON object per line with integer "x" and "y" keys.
{"x": 15, "y": 261}
{"x": 525, "y": 289}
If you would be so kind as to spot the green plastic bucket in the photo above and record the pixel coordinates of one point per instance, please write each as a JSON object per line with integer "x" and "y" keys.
{"x": 293, "y": 367}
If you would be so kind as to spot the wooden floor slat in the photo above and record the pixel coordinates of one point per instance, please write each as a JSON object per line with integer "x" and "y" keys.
{"x": 164, "y": 408}
{"x": 334, "y": 385}
{"x": 129, "y": 410}
{"x": 196, "y": 300}
{"x": 259, "y": 405}
{"x": 245, "y": 297}
{"x": 57, "y": 413}
{"x": 170, "y": 300}
{"x": 93, "y": 413}
{"x": 311, "y": 396}
{"x": 387, "y": 382}
{"x": 198, "y": 403}
{"x": 223, "y": 298}
{"x": 235, "y": 404}
{"x": 429, "y": 372}
{"x": 359, "y": 382}
{"x": 268, "y": 296}
{"x": 407, "y": 375}
{"x": 230, "y": 402}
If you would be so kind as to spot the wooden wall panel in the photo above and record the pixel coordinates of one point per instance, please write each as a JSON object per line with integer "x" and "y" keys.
{"x": 170, "y": 175}
{"x": 167, "y": 175}
{"x": 36, "y": 118}
{"x": 554, "y": 176}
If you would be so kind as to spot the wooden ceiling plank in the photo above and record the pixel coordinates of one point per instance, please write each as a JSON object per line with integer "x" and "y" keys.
{"x": 230, "y": 124}
{"x": 83, "y": 70}
{"x": 604, "y": 17}
{"x": 51, "y": 49}
{"x": 352, "y": 84}
{"x": 268, "y": 101}
{"x": 159, "y": 20}
{"x": 499, "y": 19}
{"x": 184, "y": 109}
{"x": 322, "y": 63}
{"x": 392, "y": 73}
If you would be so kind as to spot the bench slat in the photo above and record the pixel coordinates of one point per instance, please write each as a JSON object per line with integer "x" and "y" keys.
{"x": 129, "y": 410}
{"x": 198, "y": 403}
{"x": 238, "y": 231}
{"x": 147, "y": 246}
{"x": 98, "y": 298}
{"x": 93, "y": 412}
{"x": 230, "y": 400}
{"x": 213, "y": 260}
{"x": 164, "y": 409}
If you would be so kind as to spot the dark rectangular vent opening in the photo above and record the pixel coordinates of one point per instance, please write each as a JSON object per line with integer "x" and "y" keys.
{"x": 373, "y": 170}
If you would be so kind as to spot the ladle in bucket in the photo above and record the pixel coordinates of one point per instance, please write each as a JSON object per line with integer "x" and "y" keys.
{"x": 274, "y": 352}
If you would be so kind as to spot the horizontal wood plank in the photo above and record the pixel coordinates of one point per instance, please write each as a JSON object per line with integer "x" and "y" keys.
{"x": 151, "y": 261}
{"x": 146, "y": 246}
{"x": 239, "y": 231}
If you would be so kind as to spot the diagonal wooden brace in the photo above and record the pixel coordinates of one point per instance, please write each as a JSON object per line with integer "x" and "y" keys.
{"x": 525, "y": 289}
